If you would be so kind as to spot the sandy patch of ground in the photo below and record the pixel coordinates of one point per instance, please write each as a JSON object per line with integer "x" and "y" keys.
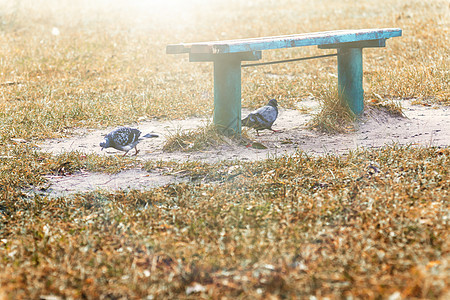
{"x": 125, "y": 180}
{"x": 423, "y": 125}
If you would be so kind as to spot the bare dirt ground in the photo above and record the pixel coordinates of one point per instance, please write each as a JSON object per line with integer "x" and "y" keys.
{"x": 421, "y": 126}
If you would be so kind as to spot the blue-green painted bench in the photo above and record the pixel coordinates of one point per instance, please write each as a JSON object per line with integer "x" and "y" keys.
{"x": 228, "y": 55}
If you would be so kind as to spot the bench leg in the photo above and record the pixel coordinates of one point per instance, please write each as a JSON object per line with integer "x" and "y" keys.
{"x": 350, "y": 78}
{"x": 227, "y": 95}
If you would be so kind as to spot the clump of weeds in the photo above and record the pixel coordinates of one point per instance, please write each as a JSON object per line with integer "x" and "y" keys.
{"x": 334, "y": 116}
{"x": 202, "y": 138}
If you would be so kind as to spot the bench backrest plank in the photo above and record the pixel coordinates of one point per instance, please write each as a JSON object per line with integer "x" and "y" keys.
{"x": 284, "y": 41}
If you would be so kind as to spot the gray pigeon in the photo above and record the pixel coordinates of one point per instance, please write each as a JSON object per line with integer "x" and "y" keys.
{"x": 263, "y": 117}
{"x": 124, "y": 139}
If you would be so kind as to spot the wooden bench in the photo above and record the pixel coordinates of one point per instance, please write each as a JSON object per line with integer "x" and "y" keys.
{"x": 228, "y": 55}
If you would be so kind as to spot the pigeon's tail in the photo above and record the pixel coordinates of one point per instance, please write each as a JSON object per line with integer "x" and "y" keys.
{"x": 151, "y": 135}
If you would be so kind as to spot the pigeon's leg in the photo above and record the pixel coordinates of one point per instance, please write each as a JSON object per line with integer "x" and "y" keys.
{"x": 257, "y": 132}
{"x": 137, "y": 151}
{"x": 125, "y": 154}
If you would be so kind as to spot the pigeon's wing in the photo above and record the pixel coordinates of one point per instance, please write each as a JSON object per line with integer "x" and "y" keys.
{"x": 246, "y": 121}
{"x": 262, "y": 118}
{"x": 125, "y": 136}
{"x": 266, "y": 115}
{"x": 251, "y": 121}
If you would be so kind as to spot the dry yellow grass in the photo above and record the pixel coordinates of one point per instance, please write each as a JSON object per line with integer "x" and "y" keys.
{"x": 202, "y": 138}
{"x": 108, "y": 63}
{"x": 370, "y": 224}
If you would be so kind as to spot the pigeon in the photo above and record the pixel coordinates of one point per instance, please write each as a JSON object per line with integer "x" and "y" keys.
{"x": 124, "y": 139}
{"x": 263, "y": 117}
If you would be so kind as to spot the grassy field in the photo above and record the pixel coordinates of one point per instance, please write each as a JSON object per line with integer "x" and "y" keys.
{"x": 370, "y": 224}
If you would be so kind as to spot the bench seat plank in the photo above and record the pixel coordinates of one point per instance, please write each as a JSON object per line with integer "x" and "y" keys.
{"x": 284, "y": 41}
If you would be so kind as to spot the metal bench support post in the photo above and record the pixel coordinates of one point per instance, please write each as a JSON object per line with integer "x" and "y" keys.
{"x": 350, "y": 71}
{"x": 350, "y": 78}
{"x": 227, "y": 87}
{"x": 227, "y": 95}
